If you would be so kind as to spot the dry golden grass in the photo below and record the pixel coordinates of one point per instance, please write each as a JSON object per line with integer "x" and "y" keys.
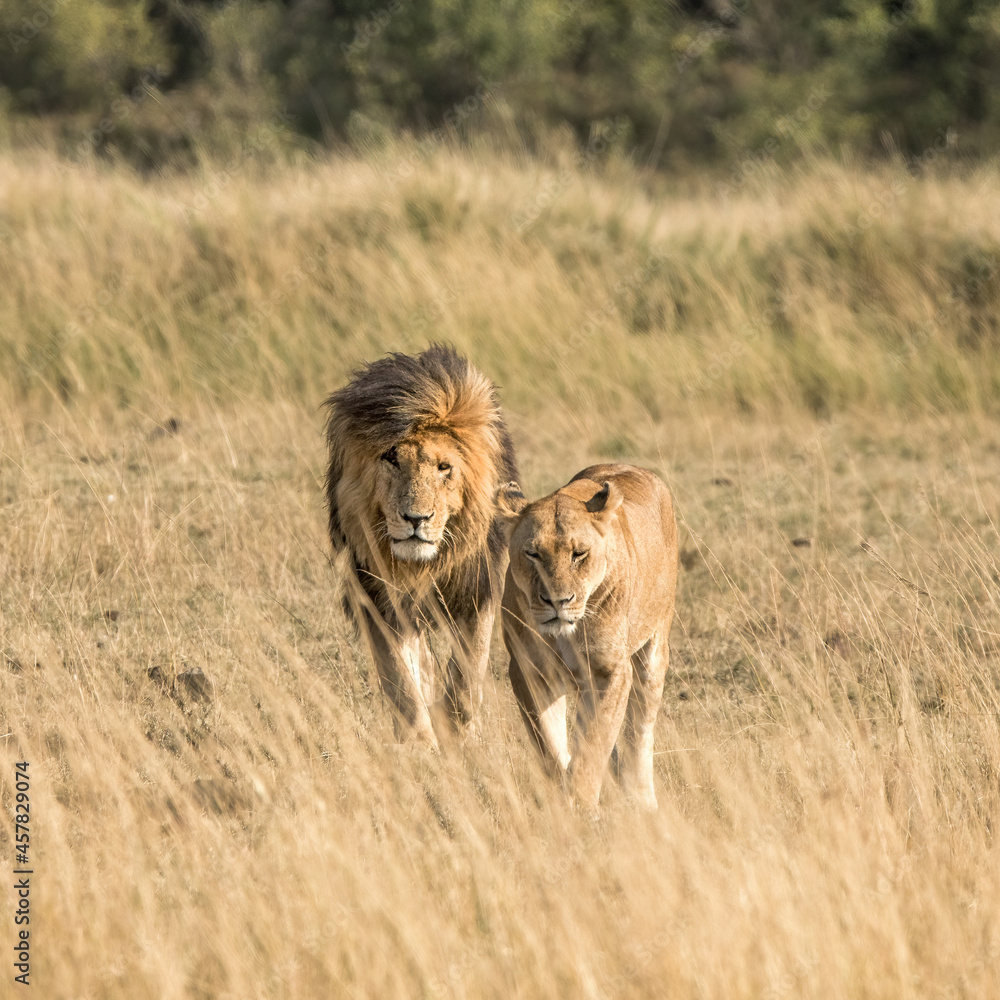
{"x": 829, "y": 748}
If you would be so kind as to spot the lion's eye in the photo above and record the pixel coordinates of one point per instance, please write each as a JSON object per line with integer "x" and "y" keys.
{"x": 444, "y": 467}
{"x": 391, "y": 457}
{"x": 531, "y": 554}
{"x": 580, "y": 555}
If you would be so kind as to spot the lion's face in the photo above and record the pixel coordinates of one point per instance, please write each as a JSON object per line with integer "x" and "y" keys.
{"x": 418, "y": 488}
{"x": 558, "y": 557}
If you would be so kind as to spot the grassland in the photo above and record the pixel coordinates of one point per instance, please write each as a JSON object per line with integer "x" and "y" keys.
{"x": 811, "y": 362}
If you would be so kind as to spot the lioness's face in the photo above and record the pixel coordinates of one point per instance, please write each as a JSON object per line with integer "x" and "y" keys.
{"x": 418, "y": 490}
{"x": 557, "y": 559}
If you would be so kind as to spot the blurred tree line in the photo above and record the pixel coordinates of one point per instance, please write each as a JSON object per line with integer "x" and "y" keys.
{"x": 675, "y": 81}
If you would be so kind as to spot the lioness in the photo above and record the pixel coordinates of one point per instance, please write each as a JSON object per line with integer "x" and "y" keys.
{"x": 418, "y": 450}
{"x": 588, "y": 604}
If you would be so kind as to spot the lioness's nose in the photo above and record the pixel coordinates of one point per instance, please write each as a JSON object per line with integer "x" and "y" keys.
{"x": 557, "y": 602}
{"x": 416, "y": 519}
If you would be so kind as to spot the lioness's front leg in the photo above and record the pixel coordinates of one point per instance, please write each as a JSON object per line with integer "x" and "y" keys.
{"x": 600, "y": 711}
{"x": 649, "y": 668}
{"x": 540, "y": 688}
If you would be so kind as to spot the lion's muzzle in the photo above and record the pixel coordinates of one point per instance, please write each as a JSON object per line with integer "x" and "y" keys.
{"x": 419, "y": 545}
{"x": 413, "y": 549}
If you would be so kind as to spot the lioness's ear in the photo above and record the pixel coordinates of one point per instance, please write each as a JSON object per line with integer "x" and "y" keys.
{"x": 605, "y": 502}
{"x": 510, "y": 501}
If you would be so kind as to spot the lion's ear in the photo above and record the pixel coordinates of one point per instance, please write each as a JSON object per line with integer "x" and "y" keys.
{"x": 605, "y": 502}
{"x": 510, "y": 501}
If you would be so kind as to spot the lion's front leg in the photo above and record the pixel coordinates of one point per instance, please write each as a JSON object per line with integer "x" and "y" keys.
{"x": 467, "y": 666}
{"x": 398, "y": 662}
{"x": 600, "y": 711}
{"x": 425, "y": 661}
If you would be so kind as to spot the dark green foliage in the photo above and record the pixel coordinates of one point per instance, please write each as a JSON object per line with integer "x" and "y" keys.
{"x": 725, "y": 81}
{"x": 65, "y": 55}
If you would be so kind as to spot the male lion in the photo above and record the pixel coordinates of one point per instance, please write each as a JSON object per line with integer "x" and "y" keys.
{"x": 418, "y": 452}
{"x": 587, "y": 606}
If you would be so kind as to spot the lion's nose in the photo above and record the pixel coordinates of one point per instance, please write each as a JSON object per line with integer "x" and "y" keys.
{"x": 416, "y": 519}
{"x": 557, "y": 602}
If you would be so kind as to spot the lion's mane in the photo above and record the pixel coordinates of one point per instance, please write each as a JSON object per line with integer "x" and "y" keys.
{"x": 403, "y": 396}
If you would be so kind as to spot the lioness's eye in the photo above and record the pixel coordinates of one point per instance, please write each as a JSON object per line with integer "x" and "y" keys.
{"x": 530, "y": 554}
{"x": 580, "y": 555}
{"x": 444, "y": 467}
{"x": 391, "y": 457}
